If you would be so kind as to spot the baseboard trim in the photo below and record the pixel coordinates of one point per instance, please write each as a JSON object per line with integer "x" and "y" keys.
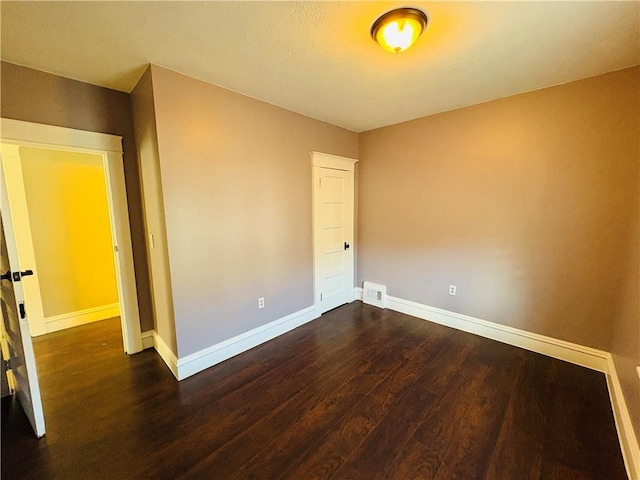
{"x": 147, "y": 339}
{"x": 626, "y": 434}
{"x": 166, "y": 354}
{"x": 588, "y": 357}
{"x": 208, "y": 357}
{"x": 81, "y": 317}
{"x": 552, "y": 347}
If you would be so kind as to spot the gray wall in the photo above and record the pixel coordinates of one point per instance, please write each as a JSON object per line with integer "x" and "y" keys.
{"x": 525, "y": 203}
{"x": 236, "y": 182}
{"x": 146, "y": 136}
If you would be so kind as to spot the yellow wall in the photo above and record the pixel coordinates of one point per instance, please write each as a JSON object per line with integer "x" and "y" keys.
{"x": 67, "y": 201}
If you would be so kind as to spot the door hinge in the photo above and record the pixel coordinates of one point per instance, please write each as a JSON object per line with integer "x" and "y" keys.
{"x": 320, "y": 182}
{"x": 11, "y": 379}
{"x": 320, "y": 297}
{"x": 23, "y": 312}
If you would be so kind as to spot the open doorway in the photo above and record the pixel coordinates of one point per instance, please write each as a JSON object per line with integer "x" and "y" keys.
{"x": 71, "y": 239}
{"x": 65, "y": 153}
{"x": 19, "y": 138}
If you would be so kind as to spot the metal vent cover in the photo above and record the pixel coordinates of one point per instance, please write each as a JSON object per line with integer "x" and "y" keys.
{"x": 374, "y": 294}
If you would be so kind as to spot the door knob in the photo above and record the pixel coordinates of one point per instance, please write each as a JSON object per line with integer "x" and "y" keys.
{"x": 6, "y": 276}
{"x": 346, "y": 246}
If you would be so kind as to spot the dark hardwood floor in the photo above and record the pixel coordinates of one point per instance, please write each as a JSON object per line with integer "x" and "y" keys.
{"x": 360, "y": 393}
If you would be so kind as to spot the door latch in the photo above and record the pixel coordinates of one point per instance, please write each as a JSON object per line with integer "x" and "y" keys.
{"x": 18, "y": 275}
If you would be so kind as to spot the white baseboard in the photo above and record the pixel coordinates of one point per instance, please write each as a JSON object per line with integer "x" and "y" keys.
{"x": 626, "y": 434}
{"x": 166, "y": 354}
{"x": 549, "y": 346}
{"x": 552, "y": 347}
{"x": 81, "y": 317}
{"x": 208, "y": 357}
{"x": 147, "y": 339}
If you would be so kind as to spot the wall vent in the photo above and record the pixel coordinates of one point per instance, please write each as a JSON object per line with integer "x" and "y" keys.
{"x": 374, "y": 294}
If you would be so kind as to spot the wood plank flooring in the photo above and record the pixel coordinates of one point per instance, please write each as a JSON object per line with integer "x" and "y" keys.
{"x": 360, "y": 393}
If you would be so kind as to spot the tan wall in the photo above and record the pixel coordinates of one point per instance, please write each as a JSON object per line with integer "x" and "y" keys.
{"x": 147, "y": 145}
{"x": 69, "y": 218}
{"x": 236, "y": 179}
{"x": 525, "y": 203}
{"x": 625, "y": 346}
{"x": 39, "y": 97}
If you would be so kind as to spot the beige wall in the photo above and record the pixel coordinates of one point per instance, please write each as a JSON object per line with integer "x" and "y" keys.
{"x": 236, "y": 181}
{"x": 144, "y": 118}
{"x": 39, "y": 97}
{"x": 525, "y": 203}
{"x": 625, "y": 346}
{"x": 69, "y": 218}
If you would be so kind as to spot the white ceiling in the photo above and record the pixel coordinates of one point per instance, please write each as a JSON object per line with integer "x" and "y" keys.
{"x": 317, "y": 58}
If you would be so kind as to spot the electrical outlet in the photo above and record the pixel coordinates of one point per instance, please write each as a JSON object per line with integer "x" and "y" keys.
{"x": 261, "y": 302}
{"x": 638, "y": 370}
{"x": 452, "y": 289}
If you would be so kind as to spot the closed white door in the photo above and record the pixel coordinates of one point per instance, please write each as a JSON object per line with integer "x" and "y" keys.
{"x": 333, "y": 236}
{"x": 16, "y": 339}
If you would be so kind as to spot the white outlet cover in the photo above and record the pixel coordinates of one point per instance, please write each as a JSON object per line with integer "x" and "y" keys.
{"x": 638, "y": 370}
{"x": 452, "y": 289}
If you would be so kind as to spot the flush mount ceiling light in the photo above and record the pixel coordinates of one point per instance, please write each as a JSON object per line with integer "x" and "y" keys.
{"x": 398, "y": 29}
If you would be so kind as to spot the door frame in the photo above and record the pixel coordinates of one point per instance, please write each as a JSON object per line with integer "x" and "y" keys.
{"x": 15, "y": 134}
{"x": 335, "y": 162}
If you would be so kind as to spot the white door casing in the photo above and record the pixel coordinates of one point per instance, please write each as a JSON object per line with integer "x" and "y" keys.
{"x": 16, "y": 340}
{"x": 333, "y": 230}
{"x": 15, "y": 134}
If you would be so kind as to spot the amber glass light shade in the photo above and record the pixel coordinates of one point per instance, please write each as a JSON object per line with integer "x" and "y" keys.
{"x": 398, "y": 29}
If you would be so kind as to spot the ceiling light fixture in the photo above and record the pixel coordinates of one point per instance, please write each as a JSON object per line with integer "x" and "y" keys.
{"x": 398, "y": 29}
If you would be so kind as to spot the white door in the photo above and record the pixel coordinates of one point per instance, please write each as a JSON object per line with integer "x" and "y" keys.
{"x": 16, "y": 337}
{"x": 333, "y": 231}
